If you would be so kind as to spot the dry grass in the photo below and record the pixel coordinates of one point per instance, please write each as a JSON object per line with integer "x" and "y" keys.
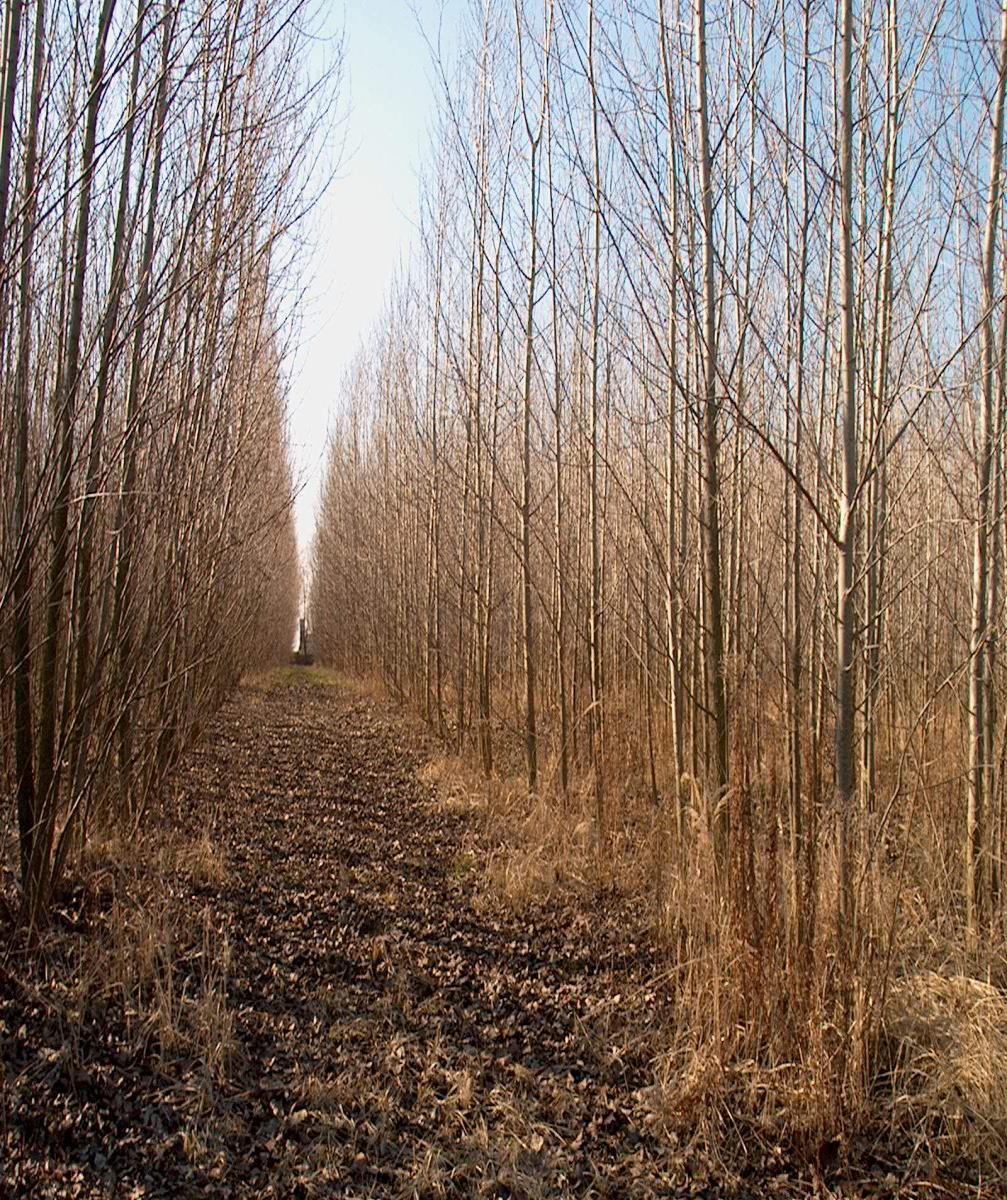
{"x": 540, "y": 845}
{"x": 157, "y": 956}
{"x": 174, "y": 994}
{"x": 202, "y": 861}
{"x": 945, "y": 1043}
{"x": 369, "y": 688}
{"x": 775, "y": 1050}
{"x": 454, "y": 786}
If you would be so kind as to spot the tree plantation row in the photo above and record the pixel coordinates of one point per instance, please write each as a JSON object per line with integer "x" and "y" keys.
{"x": 151, "y": 160}
{"x": 673, "y": 477}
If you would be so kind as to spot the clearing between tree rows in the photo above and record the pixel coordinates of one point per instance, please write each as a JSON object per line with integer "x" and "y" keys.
{"x": 313, "y": 993}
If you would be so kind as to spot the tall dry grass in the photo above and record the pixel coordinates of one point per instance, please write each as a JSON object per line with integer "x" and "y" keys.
{"x": 153, "y": 956}
{"x": 796, "y": 1030}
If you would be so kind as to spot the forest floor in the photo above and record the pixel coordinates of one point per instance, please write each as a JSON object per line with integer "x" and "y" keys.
{"x": 310, "y": 993}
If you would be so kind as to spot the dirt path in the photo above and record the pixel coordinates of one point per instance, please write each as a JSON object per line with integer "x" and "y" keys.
{"x": 378, "y": 1032}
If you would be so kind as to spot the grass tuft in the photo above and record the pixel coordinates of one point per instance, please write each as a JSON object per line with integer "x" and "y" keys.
{"x": 945, "y": 1044}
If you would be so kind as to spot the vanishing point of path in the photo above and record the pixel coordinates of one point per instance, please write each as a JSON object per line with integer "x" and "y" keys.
{"x": 391, "y": 1029}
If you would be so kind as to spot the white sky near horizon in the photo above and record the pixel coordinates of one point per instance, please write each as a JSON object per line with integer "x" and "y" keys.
{"x": 365, "y": 224}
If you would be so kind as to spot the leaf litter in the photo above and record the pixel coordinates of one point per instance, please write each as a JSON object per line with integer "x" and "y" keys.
{"x": 310, "y": 995}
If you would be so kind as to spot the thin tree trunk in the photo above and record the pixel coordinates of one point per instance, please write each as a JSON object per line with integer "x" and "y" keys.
{"x": 980, "y": 740}
{"x": 596, "y": 723}
{"x": 23, "y": 737}
{"x": 845, "y": 616}
{"x": 715, "y": 677}
{"x": 64, "y": 411}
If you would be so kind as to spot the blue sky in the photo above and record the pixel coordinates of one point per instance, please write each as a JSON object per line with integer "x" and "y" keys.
{"x": 365, "y": 224}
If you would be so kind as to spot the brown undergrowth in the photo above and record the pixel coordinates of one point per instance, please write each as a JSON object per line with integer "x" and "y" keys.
{"x": 871, "y": 1048}
{"x": 131, "y": 942}
{"x": 299, "y": 992}
{"x": 347, "y": 965}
